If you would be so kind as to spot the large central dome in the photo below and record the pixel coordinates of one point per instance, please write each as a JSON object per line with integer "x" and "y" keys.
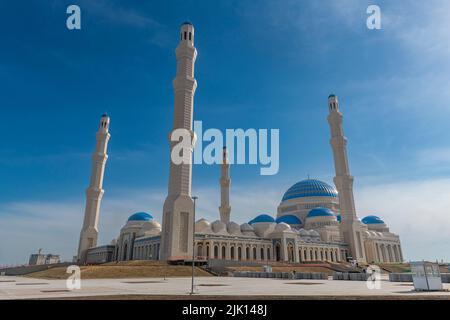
{"x": 310, "y": 188}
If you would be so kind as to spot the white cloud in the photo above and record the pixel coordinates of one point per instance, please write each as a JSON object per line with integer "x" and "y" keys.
{"x": 54, "y": 226}
{"x": 422, "y": 27}
{"x": 434, "y": 157}
{"x": 418, "y": 211}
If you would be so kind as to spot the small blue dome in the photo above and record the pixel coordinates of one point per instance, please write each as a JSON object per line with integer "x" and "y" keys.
{"x": 372, "y": 220}
{"x": 289, "y": 219}
{"x": 310, "y": 188}
{"x": 262, "y": 218}
{"x": 187, "y": 22}
{"x": 332, "y": 96}
{"x": 320, "y": 212}
{"x": 338, "y": 217}
{"x": 140, "y": 216}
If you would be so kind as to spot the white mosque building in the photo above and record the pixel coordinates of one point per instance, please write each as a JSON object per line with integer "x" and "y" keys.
{"x": 315, "y": 221}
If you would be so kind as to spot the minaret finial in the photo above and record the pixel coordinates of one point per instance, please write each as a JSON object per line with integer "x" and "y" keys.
{"x": 187, "y": 33}
{"x": 333, "y": 103}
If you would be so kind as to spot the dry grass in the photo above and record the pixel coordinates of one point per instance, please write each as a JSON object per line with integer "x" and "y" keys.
{"x": 132, "y": 269}
{"x": 396, "y": 267}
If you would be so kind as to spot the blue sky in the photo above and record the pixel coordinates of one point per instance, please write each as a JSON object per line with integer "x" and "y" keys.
{"x": 264, "y": 64}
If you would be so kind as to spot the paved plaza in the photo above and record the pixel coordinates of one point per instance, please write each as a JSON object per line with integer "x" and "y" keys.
{"x": 228, "y": 287}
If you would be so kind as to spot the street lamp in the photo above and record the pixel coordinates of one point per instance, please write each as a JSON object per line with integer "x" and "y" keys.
{"x": 193, "y": 247}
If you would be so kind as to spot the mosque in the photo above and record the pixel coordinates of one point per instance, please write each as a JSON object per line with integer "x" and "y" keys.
{"x": 315, "y": 221}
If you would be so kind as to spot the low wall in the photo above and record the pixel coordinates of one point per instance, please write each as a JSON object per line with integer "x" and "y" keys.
{"x": 407, "y": 277}
{"x": 282, "y": 275}
{"x": 231, "y": 263}
{"x": 350, "y": 276}
{"x": 22, "y": 270}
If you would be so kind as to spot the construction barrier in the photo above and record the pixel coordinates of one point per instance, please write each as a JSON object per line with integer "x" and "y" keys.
{"x": 408, "y": 277}
{"x": 282, "y": 275}
{"x": 350, "y": 276}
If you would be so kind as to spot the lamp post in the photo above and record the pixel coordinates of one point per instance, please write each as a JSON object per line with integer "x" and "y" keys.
{"x": 193, "y": 247}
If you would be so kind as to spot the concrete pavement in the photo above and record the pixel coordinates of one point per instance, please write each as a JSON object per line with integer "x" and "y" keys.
{"x": 28, "y": 288}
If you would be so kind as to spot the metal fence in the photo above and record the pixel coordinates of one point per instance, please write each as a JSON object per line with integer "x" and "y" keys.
{"x": 282, "y": 275}
{"x": 408, "y": 277}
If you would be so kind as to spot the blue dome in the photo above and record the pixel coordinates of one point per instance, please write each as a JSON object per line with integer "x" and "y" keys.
{"x": 289, "y": 219}
{"x": 332, "y": 95}
{"x": 320, "y": 212}
{"x": 262, "y": 218}
{"x": 140, "y": 216}
{"x": 187, "y": 22}
{"x": 339, "y": 218}
{"x": 310, "y": 188}
{"x": 372, "y": 220}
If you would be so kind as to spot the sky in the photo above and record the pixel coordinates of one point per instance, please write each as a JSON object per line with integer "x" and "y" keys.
{"x": 261, "y": 64}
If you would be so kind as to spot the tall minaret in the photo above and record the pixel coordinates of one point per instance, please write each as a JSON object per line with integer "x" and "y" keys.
{"x": 350, "y": 226}
{"x": 225, "y": 182}
{"x": 94, "y": 194}
{"x": 178, "y": 211}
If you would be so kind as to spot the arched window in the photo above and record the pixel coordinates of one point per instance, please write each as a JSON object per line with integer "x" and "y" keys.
{"x": 185, "y": 35}
{"x": 262, "y": 254}
{"x": 277, "y": 252}
{"x": 216, "y": 252}
{"x": 290, "y": 253}
{"x": 232, "y": 253}
{"x": 190, "y": 36}
{"x": 254, "y": 253}
{"x": 125, "y": 249}
{"x": 247, "y": 253}
{"x": 224, "y": 252}
{"x": 239, "y": 253}
{"x": 199, "y": 250}
{"x": 268, "y": 253}
{"x": 207, "y": 251}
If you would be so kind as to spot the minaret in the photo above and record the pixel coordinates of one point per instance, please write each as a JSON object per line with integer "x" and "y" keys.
{"x": 94, "y": 194}
{"x": 350, "y": 226}
{"x": 225, "y": 182}
{"x": 178, "y": 211}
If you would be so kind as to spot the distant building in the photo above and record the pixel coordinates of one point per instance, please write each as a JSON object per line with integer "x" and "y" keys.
{"x": 100, "y": 254}
{"x": 40, "y": 258}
